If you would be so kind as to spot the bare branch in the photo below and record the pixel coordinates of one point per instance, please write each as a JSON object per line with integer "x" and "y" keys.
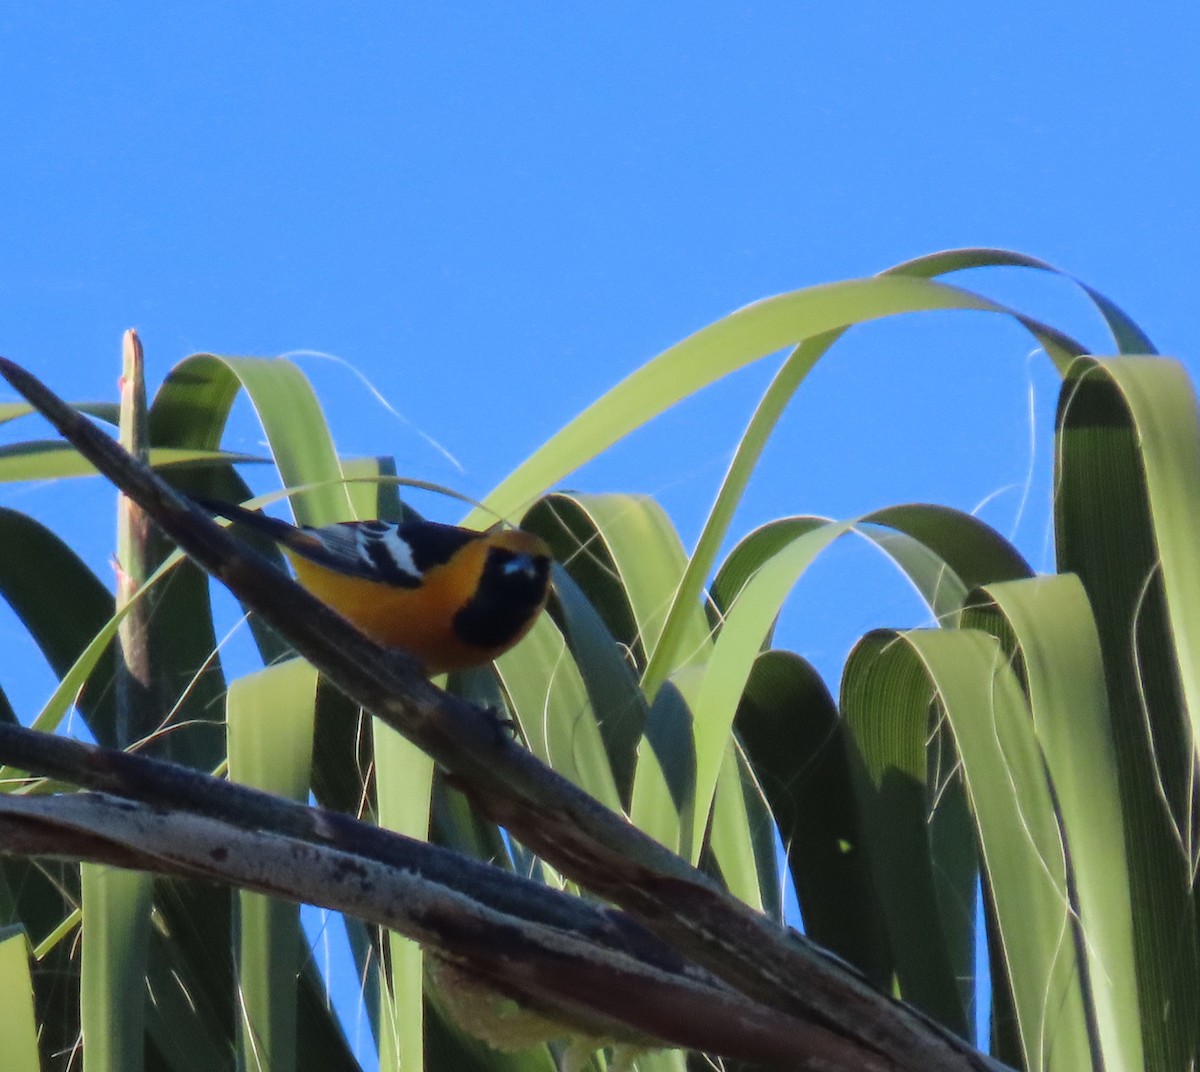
{"x": 580, "y": 988}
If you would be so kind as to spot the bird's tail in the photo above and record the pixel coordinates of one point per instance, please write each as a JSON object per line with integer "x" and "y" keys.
{"x": 251, "y": 519}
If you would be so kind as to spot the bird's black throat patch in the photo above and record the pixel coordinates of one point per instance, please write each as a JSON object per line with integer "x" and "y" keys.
{"x": 505, "y": 600}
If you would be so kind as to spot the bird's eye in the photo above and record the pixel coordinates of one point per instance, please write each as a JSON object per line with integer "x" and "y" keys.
{"x": 518, "y": 564}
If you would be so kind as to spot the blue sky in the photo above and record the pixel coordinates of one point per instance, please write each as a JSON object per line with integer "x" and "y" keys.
{"x": 495, "y": 212}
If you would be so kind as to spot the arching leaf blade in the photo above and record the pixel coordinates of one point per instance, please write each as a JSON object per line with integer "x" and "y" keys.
{"x": 619, "y": 705}
{"x": 738, "y": 840}
{"x": 715, "y": 351}
{"x": 1046, "y": 626}
{"x": 270, "y": 716}
{"x": 55, "y": 460}
{"x": 109, "y": 412}
{"x": 550, "y": 702}
{"x": 18, "y": 1027}
{"x": 194, "y": 403}
{"x": 892, "y": 679}
{"x": 746, "y": 630}
{"x": 1128, "y": 336}
{"x": 793, "y": 736}
{"x": 404, "y": 786}
{"x": 64, "y": 606}
{"x": 1125, "y": 466}
{"x": 113, "y": 965}
{"x": 885, "y": 701}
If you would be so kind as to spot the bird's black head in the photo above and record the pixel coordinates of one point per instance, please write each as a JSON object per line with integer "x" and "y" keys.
{"x": 512, "y": 591}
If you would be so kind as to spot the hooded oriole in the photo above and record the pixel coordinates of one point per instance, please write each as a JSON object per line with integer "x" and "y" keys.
{"x": 453, "y": 597}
